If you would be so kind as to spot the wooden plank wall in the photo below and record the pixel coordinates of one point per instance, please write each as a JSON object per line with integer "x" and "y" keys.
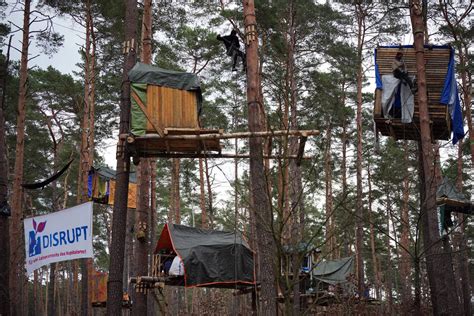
{"x": 168, "y": 107}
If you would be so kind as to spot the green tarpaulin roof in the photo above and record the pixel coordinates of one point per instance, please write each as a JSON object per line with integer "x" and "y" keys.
{"x": 334, "y": 271}
{"x": 112, "y": 174}
{"x": 144, "y": 73}
{"x": 210, "y": 257}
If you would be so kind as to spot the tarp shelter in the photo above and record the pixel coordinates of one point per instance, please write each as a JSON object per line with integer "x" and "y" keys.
{"x": 211, "y": 258}
{"x": 449, "y": 200}
{"x": 334, "y": 271}
{"x": 101, "y": 186}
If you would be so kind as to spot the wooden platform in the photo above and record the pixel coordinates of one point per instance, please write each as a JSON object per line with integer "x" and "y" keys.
{"x": 436, "y": 65}
{"x": 151, "y": 145}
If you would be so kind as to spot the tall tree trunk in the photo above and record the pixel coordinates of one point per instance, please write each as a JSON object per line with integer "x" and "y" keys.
{"x": 462, "y": 50}
{"x": 460, "y": 244}
{"x": 115, "y": 283}
{"x": 405, "y": 266}
{"x": 330, "y": 226}
{"x": 296, "y": 186}
{"x": 153, "y": 228}
{"x": 375, "y": 262}
{"x": 4, "y": 220}
{"x": 18, "y": 280}
{"x": 344, "y": 141}
{"x": 87, "y": 155}
{"x": 261, "y": 200}
{"x": 389, "y": 271}
{"x": 202, "y": 196}
{"x": 143, "y": 204}
{"x": 359, "y": 233}
{"x": 51, "y": 290}
{"x": 175, "y": 191}
{"x": 439, "y": 264}
{"x": 210, "y": 205}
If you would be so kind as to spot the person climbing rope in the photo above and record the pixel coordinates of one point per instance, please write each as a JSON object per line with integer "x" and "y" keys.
{"x": 400, "y": 72}
{"x": 232, "y": 46}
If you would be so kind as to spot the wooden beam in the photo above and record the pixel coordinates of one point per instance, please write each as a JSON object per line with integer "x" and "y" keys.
{"x": 215, "y": 155}
{"x": 299, "y": 156}
{"x": 305, "y": 133}
{"x": 143, "y": 108}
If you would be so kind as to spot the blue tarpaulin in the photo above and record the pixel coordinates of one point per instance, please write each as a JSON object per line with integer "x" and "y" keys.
{"x": 450, "y": 97}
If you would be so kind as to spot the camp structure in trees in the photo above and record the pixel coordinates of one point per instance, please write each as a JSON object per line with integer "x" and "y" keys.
{"x": 207, "y": 258}
{"x": 165, "y": 109}
{"x": 165, "y": 102}
{"x": 450, "y": 200}
{"x": 99, "y": 291}
{"x": 101, "y": 187}
{"x": 193, "y": 257}
{"x": 396, "y": 111}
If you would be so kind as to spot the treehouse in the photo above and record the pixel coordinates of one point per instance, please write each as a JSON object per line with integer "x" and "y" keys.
{"x": 396, "y": 110}
{"x": 166, "y": 103}
{"x": 193, "y": 257}
{"x": 101, "y": 186}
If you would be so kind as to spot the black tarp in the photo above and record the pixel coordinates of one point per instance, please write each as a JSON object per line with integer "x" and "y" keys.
{"x": 210, "y": 257}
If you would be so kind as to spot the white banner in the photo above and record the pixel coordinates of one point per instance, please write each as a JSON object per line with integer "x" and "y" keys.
{"x": 59, "y": 236}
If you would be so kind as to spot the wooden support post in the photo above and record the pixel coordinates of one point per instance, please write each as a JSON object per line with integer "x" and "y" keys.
{"x": 299, "y": 156}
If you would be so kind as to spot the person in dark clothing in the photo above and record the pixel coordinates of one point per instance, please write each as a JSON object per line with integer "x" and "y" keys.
{"x": 167, "y": 265}
{"x": 400, "y": 72}
{"x": 232, "y": 45}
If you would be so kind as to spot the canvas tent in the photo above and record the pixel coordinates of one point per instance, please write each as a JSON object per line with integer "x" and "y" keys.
{"x": 211, "y": 258}
{"x": 334, "y": 271}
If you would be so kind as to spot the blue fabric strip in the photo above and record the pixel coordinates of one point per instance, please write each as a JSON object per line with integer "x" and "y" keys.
{"x": 89, "y": 183}
{"x": 450, "y": 97}
{"x": 378, "y": 79}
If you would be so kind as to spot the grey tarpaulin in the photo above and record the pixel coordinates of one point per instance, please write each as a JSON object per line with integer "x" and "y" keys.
{"x": 210, "y": 257}
{"x": 334, "y": 271}
{"x": 451, "y": 199}
{"x": 144, "y": 73}
{"x": 448, "y": 190}
{"x": 390, "y": 87}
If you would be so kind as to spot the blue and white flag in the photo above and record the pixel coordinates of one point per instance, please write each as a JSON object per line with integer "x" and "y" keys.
{"x": 59, "y": 236}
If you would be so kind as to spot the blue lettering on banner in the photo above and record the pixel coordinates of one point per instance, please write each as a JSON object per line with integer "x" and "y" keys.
{"x": 59, "y": 238}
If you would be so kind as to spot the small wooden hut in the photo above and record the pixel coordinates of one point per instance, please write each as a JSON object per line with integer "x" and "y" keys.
{"x": 164, "y": 103}
{"x": 443, "y": 101}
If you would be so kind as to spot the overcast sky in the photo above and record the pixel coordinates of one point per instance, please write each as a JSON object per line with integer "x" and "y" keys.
{"x": 66, "y": 58}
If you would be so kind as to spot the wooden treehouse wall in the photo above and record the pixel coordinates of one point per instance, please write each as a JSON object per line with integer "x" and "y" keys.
{"x": 171, "y": 108}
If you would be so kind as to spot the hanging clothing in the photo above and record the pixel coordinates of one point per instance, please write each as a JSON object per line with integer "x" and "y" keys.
{"x": 177, "y": 267}
{"x": 393, "y": 93}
